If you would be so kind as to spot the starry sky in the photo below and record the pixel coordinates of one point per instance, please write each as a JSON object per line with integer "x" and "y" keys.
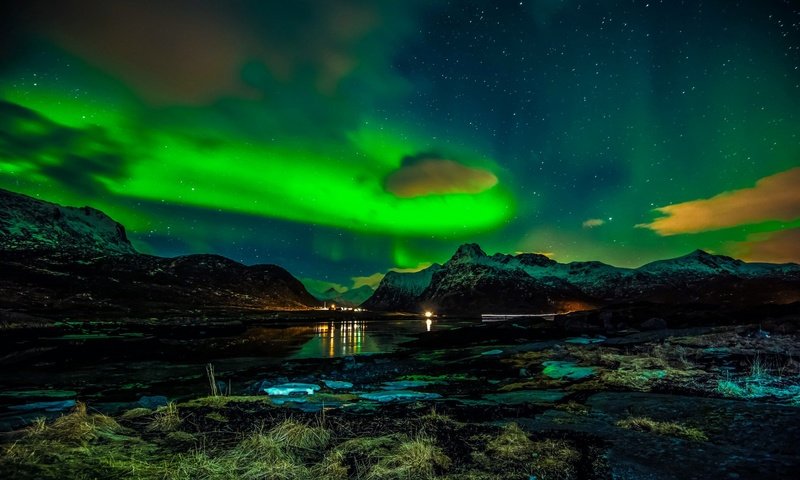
{"x": 343, "y": 138}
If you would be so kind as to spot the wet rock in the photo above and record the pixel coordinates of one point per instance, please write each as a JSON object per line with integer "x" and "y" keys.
{"x": 585, "y": 340}
{"x": 521, "y": 397}
{"x": 350, "y": 363}
{"x": 286, "y": 389}
{"x": 751, "y": 439}
{"x": 222, "y": 387}
{"x": 405, "y": 384}
{"x": 152, "y": 401}
{"x": 38, "y": 393}
{"x": 399, "y": 396}
{"x": 45, "y": 406}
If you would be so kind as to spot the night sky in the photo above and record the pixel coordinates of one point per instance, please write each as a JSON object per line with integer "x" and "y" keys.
{"x": 340, "y": 139}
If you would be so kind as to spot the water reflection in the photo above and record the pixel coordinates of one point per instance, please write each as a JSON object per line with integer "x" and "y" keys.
{"x": 341, "y": 338}
{"x": 359, "y": 337}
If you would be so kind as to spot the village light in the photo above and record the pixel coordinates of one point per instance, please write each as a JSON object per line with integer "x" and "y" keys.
{"x": 428, "y": 314}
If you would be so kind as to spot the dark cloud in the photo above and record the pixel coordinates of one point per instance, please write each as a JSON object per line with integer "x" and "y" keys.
{"x": 75, "y": 158}
{"x": 195, "y": 51}
{"x": 423, "y": 175}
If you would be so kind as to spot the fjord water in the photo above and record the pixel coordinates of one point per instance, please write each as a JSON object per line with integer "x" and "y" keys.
{"x": 110, "y": 366}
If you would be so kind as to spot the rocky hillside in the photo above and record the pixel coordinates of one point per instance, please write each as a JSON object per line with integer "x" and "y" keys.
{"x": 474, "y": 282}
{"x": 63, "y": 260}
{"x": 28, "y": 224}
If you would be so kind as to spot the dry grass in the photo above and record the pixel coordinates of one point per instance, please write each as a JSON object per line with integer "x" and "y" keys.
{"x": 300, "y": 436}
{"x": 165, "y": 419}
{"x": 413, "y": 459}
{"x": 672, "y": 429}
{"x": 84, "y": 445}
{"x": 512, "y": 454}
{"x": 77, "y": 427}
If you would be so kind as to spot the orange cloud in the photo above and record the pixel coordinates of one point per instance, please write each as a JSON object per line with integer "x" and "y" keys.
{"x": 776, "y": 247}
{"x": 776, "y": 197}
{"x": 593, "y": 222}
{"x": 437, "y": 176}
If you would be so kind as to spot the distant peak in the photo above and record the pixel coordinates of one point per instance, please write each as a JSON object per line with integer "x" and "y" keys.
{"x": 702, "y": 255}
{"x": 468, "y": 251}
{"x": 535, "y": 259}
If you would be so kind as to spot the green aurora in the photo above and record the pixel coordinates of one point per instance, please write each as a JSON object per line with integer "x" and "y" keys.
{"x": 236, "y": 131}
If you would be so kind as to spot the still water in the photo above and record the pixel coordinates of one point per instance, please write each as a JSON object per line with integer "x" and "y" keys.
{"x": 112, "y": 366}
{"x": 357, "y": 337}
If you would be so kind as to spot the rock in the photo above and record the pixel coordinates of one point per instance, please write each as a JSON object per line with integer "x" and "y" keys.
{"x": 152, "y": 401}
{"x": 566, "y": 370}
{"x": 350, "y": 363}
{"x": 337, "y": 385}
{"x": 222, "y": 387}
{"x": 399, "y": 396}
{"x": 585, "y": 340}
{"x": 404, "y": 384}
{"x": 46, "y": 406}
{"x": 292, "y": 389}
{"x": 654, "y": 323}
{"x": 521, "y": 397}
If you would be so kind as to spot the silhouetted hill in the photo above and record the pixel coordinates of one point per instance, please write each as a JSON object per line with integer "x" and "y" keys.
{"x": 58, "y": 259}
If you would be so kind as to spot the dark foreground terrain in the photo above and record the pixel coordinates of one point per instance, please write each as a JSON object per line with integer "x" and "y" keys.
{"x": 681, "y": 396}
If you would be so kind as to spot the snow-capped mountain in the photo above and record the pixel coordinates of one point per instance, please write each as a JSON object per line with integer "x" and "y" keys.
{"x": 58, "y": 259}
{"x": 401, "y": 291}
{"x": 472, "y": 281}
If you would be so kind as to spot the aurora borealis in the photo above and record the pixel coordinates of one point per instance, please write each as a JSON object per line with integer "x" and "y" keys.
{"x": 342, "y": 138}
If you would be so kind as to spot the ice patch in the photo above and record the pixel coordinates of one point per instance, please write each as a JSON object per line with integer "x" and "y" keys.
{"x": 399, "y": 396}
{"x": 292, "y": 388}
{"x": 337, "y": 385}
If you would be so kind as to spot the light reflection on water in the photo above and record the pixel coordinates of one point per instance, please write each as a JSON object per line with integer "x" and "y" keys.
{"x": 359, "y": 337}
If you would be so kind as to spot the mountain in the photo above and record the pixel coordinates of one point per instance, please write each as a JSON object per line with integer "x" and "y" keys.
{"x": 401, "y": 291}
{"x": 349, "y": 298}
{"x": 28, "y": 224}
{"x": 474, "y": 282}
{"x": 64, "y": 260}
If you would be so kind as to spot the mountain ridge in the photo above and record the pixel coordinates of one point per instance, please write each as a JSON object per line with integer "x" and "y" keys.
{"x": 58, "y": 259}
{"x": 472, "y": 281}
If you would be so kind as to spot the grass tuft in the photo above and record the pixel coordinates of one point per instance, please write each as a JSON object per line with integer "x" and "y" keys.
{"x": 512, "y": 454}
{"x": 165, "y": 419}
{"x": 417, "y": 458}
{"x": 672, "y": 429}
